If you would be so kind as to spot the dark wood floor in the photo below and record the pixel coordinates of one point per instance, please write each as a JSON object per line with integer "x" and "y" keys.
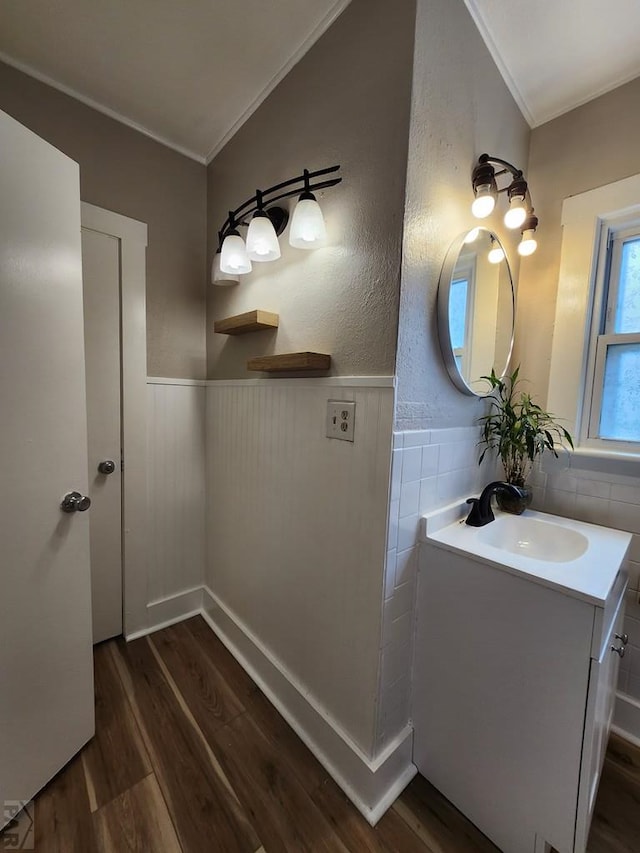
{"x": 190, "y": 756}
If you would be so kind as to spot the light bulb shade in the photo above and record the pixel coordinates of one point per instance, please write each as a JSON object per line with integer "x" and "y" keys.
{"x": 262, "y": 240}
{"x": 483, "y": 203}
{"x": 496, "y": 255}
{"x": 517, "y": 213}
{"x": 233, "y": 257}
{"x": 223, "y": 279}
{"x": 528, "y": 244}
{"x": 472, "y": 236}
{"x": 307, "y": 230}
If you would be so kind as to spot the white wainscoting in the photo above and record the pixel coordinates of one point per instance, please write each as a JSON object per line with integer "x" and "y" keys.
{"x": 176, "y": 499}
{"x": 296, "y": 548}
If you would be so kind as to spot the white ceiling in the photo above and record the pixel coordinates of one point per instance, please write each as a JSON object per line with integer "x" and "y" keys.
{"x": 189, "y": 73}
{"x": 557, "y": 54}
{"x": 186, "y": 72}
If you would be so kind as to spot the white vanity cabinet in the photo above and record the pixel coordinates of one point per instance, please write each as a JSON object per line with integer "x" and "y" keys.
{"x": 514, "y": 685}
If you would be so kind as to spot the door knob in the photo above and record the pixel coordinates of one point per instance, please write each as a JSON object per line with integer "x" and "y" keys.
{"x": 75, "y": 502}
{"x": 107, "y": 467}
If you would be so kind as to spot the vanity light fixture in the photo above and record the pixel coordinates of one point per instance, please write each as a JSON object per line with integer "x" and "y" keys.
{"x": 262, "y": 240}
{"x": 219, "y": 277}
{"x": 266, "y": 221}
{"x": 308, "y": 230}
{"x": 486, "y": 191}
{"x": 528, "y": 244}
{"x": 233, "y": 252}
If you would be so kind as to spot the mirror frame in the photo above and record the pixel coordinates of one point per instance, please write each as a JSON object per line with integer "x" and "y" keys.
{"x": 444, "y": 288}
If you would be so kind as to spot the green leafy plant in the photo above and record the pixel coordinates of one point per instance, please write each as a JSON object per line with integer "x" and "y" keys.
{"x": 517, "y": 429}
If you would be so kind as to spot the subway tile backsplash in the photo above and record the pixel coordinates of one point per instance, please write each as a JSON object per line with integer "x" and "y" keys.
{"x": 430, "y": 468}
{"x": 591, "y": 490}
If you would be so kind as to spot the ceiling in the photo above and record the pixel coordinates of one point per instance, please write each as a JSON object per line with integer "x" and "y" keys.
{"x": 190, "y": 73}
{"x": 557, "y": 54}
{"x": 185, "y": 73}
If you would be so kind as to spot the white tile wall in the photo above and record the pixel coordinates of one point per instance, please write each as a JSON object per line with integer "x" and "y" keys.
{"x": 430, "y": 468}
{"x": 601, "y": 492}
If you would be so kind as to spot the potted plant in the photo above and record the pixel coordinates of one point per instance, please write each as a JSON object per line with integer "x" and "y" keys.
{"x": 518, "y": 430}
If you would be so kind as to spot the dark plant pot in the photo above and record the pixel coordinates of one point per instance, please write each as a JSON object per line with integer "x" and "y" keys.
{"x": 516, "y": 506}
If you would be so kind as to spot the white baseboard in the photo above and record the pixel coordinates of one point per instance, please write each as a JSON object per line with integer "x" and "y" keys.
{"x": 626, "y": 718}
{"x": 372, "y": 784}
{"x": 167, "y": 611}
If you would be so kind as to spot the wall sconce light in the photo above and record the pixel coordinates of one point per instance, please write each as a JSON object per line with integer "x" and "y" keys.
{"x": 266, "y": 221}
{"x": 520, "y": 213}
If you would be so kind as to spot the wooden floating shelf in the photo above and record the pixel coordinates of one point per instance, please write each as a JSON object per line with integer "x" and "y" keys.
{"x": 290, "y": 361}
{"x": 241, "y": 324}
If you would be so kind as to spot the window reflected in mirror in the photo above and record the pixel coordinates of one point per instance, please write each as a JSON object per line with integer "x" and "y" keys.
{"x": 475, "y": 310}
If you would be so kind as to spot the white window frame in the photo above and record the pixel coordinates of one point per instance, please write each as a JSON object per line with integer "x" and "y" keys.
{"x": 612, "y": 239}
{"x": 589, "y": 220}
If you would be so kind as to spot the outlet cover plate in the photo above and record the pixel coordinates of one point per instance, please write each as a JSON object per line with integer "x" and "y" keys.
{"x": 341, "y": 419}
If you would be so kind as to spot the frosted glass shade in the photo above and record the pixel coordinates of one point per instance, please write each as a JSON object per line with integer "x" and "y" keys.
{"x": 307, "y": 230}
{"x": 262, "y": 240}
{"x": 234, "y": 258}
{"x": 496, "y": 255}
{"x": 483, "y": 203}
{"x": 528, "y": 244}
{"x": 220, "y": 278}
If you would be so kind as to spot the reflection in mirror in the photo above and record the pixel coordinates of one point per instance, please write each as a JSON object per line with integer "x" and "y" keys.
{"x": 475, "y": 310}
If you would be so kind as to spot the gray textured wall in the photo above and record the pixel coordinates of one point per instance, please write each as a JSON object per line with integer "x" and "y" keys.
{"x": 347, "y": 101}
{"x": 588, "y": 147}
{"x": 461, "y": 108}
{"x": 125, "y": 171}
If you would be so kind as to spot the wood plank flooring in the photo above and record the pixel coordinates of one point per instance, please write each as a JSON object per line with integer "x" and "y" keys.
{"x": 190, "y": 757}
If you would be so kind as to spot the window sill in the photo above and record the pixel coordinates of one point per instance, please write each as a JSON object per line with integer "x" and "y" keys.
{"x": 599, "y": 459}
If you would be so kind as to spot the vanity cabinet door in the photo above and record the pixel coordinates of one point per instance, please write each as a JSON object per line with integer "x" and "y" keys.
{"x": 603, "y": 679}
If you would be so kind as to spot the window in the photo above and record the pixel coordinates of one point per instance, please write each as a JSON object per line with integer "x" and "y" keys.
{"x": 461, "y": 299}
{"x": 594, "y": 382}
{"x": 615, "y": 388}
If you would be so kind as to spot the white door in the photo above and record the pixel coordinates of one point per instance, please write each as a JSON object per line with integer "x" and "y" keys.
{"x": 46, "y": 667}
{"x": 101, "y": 273}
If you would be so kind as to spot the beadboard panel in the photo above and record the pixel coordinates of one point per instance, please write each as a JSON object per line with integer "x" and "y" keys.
{"x": 175, "y": 489}
{"x": 296, "y": 535}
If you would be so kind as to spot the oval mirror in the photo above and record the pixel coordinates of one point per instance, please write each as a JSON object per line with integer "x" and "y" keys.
{"x": 476, "y": 308}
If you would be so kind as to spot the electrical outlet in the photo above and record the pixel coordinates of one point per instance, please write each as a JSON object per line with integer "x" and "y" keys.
{"x": 341, "y": 419}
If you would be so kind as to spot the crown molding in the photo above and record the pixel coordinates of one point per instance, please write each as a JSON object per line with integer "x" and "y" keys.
{"x": 476, "y": 14}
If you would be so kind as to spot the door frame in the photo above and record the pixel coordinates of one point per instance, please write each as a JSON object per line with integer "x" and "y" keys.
{"x": 132, "y": 235}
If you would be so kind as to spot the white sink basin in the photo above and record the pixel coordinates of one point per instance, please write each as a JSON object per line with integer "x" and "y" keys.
{"x": 530, "y": 537}
{"x": 580, "y": 559}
